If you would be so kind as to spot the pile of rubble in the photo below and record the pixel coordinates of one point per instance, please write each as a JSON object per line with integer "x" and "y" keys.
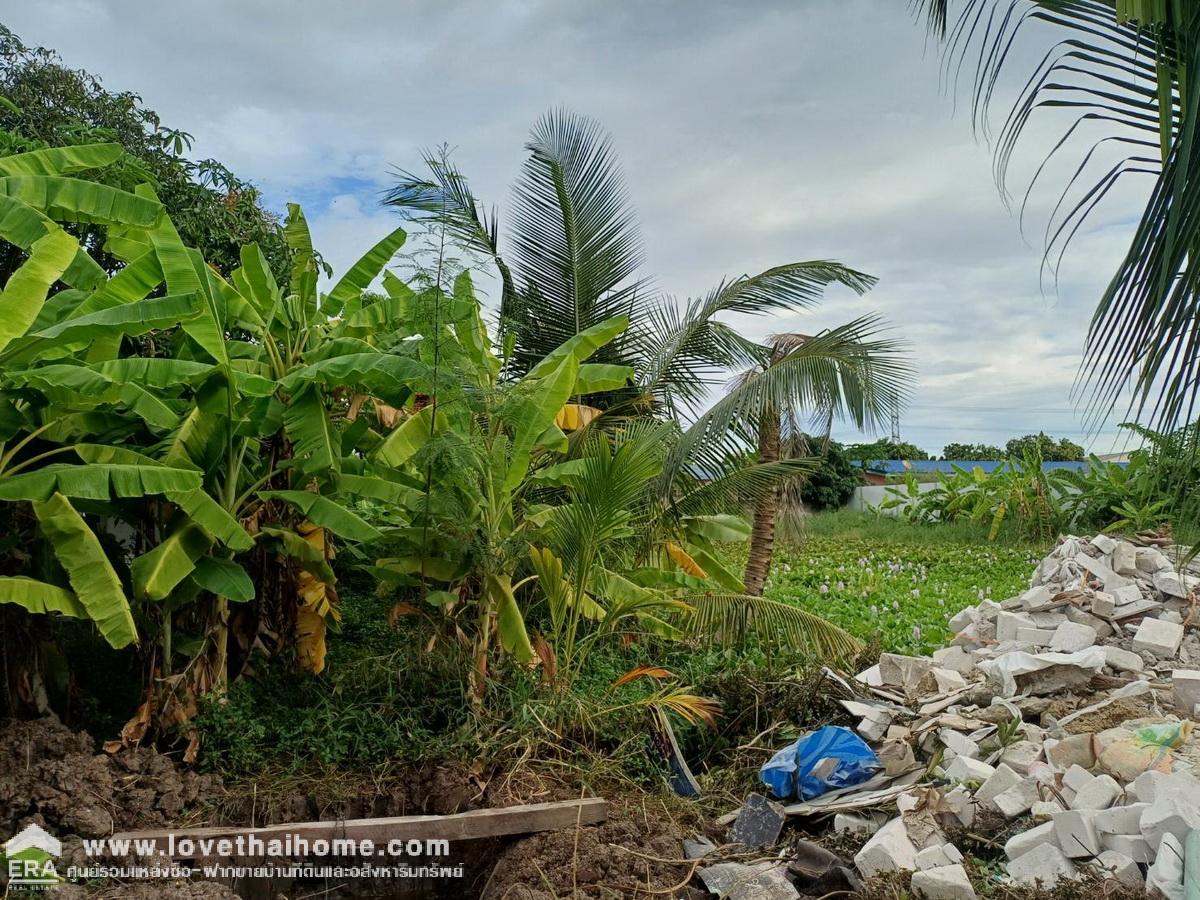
{"x": 1067, "y": 709}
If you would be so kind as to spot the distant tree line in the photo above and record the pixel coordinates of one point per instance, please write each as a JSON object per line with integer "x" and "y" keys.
{"x": 1049, "y": 448}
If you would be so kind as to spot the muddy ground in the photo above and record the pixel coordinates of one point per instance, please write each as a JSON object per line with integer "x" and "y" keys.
{"x": 59, "y": 779}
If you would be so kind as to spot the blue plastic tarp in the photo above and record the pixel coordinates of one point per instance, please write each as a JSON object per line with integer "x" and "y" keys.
{"x": 827, "y": 759}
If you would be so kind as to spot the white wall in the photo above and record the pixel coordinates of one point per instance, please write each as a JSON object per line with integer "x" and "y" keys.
{"x": 865, "y": 498}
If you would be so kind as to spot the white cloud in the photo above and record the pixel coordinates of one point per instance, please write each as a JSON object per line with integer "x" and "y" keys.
{"x": 751, "y": 134}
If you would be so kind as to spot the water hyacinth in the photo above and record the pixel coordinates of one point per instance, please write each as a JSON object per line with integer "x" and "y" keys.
{"x": 860, "y": 585}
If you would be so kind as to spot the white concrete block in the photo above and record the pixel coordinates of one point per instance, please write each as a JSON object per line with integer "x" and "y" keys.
{"x": 959, "y": 802}
{"x": 1123, "y": 660}
{"x": 959, "y": 743}
{"x": 1007, "y": 624}
{"x": 1077, "y": 777}
{"x": 1099, "y": 793}
{"x": 1044, "y": 810}
{"x": 1076, "y": 833}
{"x": 1151, "y": 560}
{"x": 1039, "y": 637}
{"x": 1158, "y": 637}
{"x": 1120, "y": 819}
{"x": 947, "y": 680}
{"x": 1166, "y": 874}
{"x": 938, "y": 855}
{"x": 1134, "y": 846}
{"x": 1148, "y": 785}
{"x": 1071, "y": 637}
{"x": 1037, "y": 596}
{"x": 965, "y": 768}
{"x": 1174, "y": 811}
{"x": 903, "y": 671}
{"x": 888, "y": 850}
{"x": 1018, "y": 799}
{"x": 944, "y": 883}
{"x": 1124, "y": 559}
{"x": 1121, "y": 868}
{"x": 999, "y": 782}
{"x": 1129, "y": 593}
{"x": 1021, "y": 755}
{"x": 1042, "y": 866}
{"x": 954, "y": 658}
{"x": 1104, "y": 604}
{"x": 1171, "y": 584}
{"x": 1187, "y": 691}
{"x": 1020, "y": 844}
{"x": 1104, "y": 543}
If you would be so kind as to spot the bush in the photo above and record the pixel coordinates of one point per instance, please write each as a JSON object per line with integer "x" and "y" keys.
{"x": 834, "y": 481}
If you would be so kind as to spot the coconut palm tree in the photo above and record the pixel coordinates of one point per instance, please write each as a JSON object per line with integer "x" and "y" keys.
{"x": 1120, "y": 66}
{"x": 574, "y": 262}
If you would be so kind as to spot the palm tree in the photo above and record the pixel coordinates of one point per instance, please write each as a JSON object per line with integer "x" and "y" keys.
{"x": 1122, "y": 66}
{"x": 575, "y": 262}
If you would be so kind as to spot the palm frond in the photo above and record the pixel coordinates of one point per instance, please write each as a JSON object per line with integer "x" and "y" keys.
{"x": 728, "y": 615}
{"x": 683, "y": 352}
{"x": 575, "y": 239}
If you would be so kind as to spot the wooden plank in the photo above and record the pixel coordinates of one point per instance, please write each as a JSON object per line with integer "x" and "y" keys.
{"x": 466, "y": 826}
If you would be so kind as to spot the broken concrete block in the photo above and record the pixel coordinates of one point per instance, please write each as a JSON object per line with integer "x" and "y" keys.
{"x": 947, "y": 680}
{"x": 960, "y": 744}
{"x": 1151, "y": 560}
{"x": 759, "y": 823}
{"x": 1042, "y": 866}
{"x": 1044, "y": 810}
{"x": 971, "y": 636}
{"x": 1123, "y": 660}
{"x": 1104, "y": 604}
{"x": 1073, "y": 750}
{"x": 1158, "y": 637}
{"x": 959, "y": 803}
{"x": 965, "y": 768}
{"x": 1126, "y": 595}
{"x": 961, "y": 619}
{"x": 1020, "y": 844}
{"x": 997, "y": 783}
{"x": 847, "y": 823}
{"x": 1148, "y": 785}
{"x": 1174, "y": 811}
{"x": 1166, "y": 874}
{"x": 1120, "y": 819}
{"x": 1099, "y": 793}
{"x": 1124, "y": 559}
{"x": 1187, "y": 691}
{"x": 1021, "y": 755}
{"x": 944, "y": 883}
{"x": 1038, "y": 637}
{"x": 1071, "y": 637}
{"x": 1134, "y": 846}
{"x": 1037, "y": 596}
{"x": 874, "y": 725}
{"x": 1076, "y": 833}
{"x": 870, "y": 677}
{"x": 1104, "y": 543}
{"x": 1120, "y": 867}
{"x": 954, "y": 658}
{"x": 1007, "y": 624}
{"x": 938, "y": 855}
{"x": 888, "y": 850}
{"x": 1077, "y": 778}
{"x": 1018, "y": 799}
{"x": 1083, "y": 617}
{"x": 903, "y": 671}
{"x": 1171, "y": 584}
{"x": 1106, "y": 576}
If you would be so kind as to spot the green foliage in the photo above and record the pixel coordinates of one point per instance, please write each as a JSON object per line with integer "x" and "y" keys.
{"x": 972, "y": 451}
{"x": 832, "y": 482}
{"x": 1044, "y": 446}
{"x": 1018, "y": 494}
{"x": 884, "y": 448}
{"x": 58, "y": 108}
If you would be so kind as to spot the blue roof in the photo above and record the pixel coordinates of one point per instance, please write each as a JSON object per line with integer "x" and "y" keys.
{"x": 918, "y": 466}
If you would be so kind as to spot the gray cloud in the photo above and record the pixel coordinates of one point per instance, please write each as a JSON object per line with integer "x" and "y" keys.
{"x": 751, "y": 134}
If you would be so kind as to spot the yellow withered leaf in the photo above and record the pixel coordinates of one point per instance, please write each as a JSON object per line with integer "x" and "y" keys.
{"x": 316, "y": 601}
{"x": 681, "y": 558}
{"x": 575, "y": 415}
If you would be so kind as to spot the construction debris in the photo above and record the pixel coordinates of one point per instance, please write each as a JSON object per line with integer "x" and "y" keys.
{"x": 1067, "y": 708}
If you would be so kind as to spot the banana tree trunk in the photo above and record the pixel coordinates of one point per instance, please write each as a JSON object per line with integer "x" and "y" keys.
{"x": 762, "y": 537}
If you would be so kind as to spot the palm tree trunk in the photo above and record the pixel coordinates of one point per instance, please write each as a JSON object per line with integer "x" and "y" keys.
{"x": 762, "y": 537}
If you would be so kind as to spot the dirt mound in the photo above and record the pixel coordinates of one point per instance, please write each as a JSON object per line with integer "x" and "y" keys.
{"x": 54, "y": 776}
{"x": 625, "y": 857}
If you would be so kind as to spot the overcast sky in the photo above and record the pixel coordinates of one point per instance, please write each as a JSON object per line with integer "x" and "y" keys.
{"x": 751, "y": 134}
